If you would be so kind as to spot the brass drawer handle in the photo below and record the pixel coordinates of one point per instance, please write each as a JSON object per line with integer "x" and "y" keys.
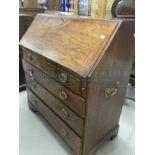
{"x": 63, "y": 132}
{"x": 29, "y": 56}
{"x": 112, "y": 91}
{"x": 64, "y": 113}
{"x": 31, "y": 74}
{"x": 63, "y": 77}
{"x": 63, "y": 95}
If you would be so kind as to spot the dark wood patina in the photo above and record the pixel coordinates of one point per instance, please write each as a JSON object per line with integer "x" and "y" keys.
{"x": 77, "y": 70}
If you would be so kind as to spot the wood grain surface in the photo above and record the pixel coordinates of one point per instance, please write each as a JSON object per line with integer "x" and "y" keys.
{"x": 72, "y": 82}
{"x": 73, "y": 120}
{"x": 103, "y": 112}
{"x": 75, "y": 43}
{"x": 76, "y": 103}
{"x": 61, "y": 128}
{"x": 97, "y": 57}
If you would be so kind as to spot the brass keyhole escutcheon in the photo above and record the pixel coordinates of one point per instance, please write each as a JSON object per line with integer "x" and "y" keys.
{"x": 64, "y": 113}
{"x": 63, "y": 132}
{"x": 63, "y": 77}
{"x": 112, "y": 90}
{"x": 63, "y": 95}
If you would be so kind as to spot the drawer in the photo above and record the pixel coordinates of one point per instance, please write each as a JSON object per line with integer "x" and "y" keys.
{"x": 62, "y": 129}
{"x": 73, "y": 120}
{"x": 59, "y": 75}
{"x": 75, "y": 102}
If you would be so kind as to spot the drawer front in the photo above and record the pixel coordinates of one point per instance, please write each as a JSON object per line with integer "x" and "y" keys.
{"x": 75, "y": 102}
{"x": 59, "y": 75}
{"x": 62, "y": 129}
{"x": 74, "y": 121}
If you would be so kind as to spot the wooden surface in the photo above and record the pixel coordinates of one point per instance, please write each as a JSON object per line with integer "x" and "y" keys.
{"x": 103, "y": 112}
{"x": 59, "y": 13}
{"x": 59, "y": 5}
{"x": 72, "y": 82}
{"x": 57, "y": 106}
{"x": 102, "y": 65}
{"x": 76, "y": 103}
{"x": 62, "y": 41}
{"x": 31, "y": 11}
{"x": 70, "y": 137}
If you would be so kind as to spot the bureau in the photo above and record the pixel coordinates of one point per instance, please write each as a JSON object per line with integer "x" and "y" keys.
{"x": 77, "y": 70}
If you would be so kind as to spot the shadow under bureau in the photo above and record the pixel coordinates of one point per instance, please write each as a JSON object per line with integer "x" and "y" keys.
{"x": 77, "y": 70}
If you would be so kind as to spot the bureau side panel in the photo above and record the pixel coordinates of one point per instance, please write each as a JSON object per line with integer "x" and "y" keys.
{"x": 103, "y": 112}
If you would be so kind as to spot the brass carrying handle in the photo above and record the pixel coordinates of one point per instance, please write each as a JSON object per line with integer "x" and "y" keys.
{"x": 112, "y": 91}
{"x": 63, "y": 132}
{"x": 63, "y": 77}
{"x": 64, "y": 113}
{"x": 63, "y": 95}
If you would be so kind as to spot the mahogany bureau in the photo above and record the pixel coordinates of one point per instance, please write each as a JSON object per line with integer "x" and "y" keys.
{"x": 77, "y": 70}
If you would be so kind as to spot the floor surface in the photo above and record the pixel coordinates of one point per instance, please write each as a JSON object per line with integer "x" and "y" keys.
{"x": 38, "y": 138}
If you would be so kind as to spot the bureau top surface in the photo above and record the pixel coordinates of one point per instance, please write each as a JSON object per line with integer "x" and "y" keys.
{"x": 72, "y": 42}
